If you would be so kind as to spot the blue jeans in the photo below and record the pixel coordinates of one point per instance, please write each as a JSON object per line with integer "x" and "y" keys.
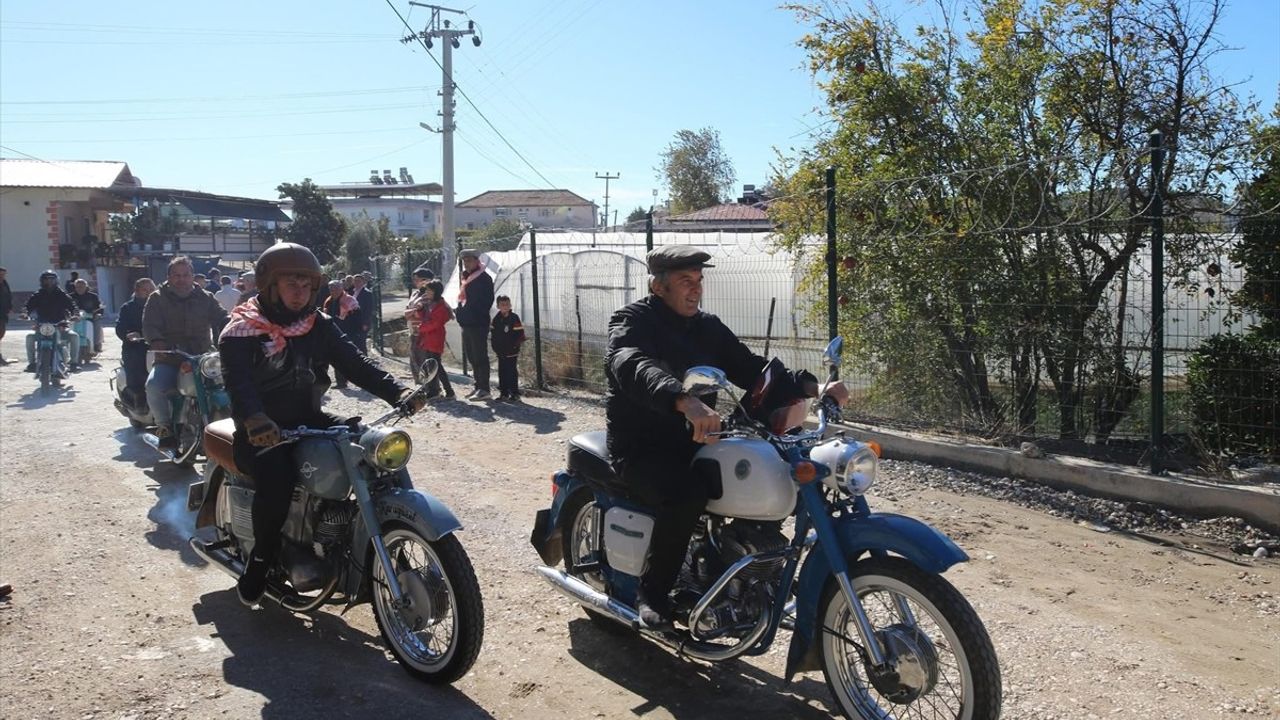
{"x": 161, "y": 384}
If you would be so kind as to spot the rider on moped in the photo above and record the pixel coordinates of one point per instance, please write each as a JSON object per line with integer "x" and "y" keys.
{"x": 652, "y": 342}
{"x": 133, "y": 353}
{"x": 89, "y": 302}
{"x": 276, "y": 352}
{"x": 50, "y": 304}
{"x": 177, "y": 316}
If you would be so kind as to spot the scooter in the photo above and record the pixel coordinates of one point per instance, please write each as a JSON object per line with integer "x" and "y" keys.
{"x": 83, "y": 326}
{"x": 862, "y": 592}
{"x": 130, "y": 404}
{"x": 200, "y": 399}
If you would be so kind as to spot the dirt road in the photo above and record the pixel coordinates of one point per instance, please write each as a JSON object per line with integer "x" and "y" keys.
{"x": 112, "y": 616}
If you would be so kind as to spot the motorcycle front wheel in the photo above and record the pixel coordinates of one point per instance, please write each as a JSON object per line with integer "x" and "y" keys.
{"x": 943, "y": 663}
{"x": 436, "y": 637}
{"x": 189, "y": 432}
{"x": 45, "y": 368}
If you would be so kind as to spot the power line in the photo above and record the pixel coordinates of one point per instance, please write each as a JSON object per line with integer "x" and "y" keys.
{"x": 153, "y": 139}
{"x": 225, "y": 116}
{"x": 206, "y": 99}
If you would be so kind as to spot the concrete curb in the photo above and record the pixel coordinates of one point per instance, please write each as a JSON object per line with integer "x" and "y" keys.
{"x": 1182, "y": 493}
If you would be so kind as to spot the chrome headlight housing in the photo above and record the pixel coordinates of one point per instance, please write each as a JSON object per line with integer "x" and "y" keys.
{"x": 47, "y": 329}
{"x": 853, "y": 465}
{"x": 211, "y": 366}
{"x": 387, "y": 449}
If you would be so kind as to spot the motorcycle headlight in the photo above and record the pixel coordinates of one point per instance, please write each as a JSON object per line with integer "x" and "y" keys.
{"x": 47, "y": 329}
{"x": 853, "y": 465}
{"x": 387, "y": 448}
{"x": 211, "y": 366}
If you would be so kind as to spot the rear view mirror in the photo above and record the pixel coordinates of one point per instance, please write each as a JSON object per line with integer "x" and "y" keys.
{"x": 429, "y": 369}
{"x": 705, "y": 380}
{"x": 832, "y": 353}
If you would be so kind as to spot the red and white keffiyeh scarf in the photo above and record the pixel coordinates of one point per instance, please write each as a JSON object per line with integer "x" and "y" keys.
{"x": 247, "y": 320}
{"x": 346, "y": 304}
{"x": 466, "y": 280}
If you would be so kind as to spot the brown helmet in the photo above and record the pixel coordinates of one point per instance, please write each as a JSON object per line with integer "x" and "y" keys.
{"x": 284, "y": 259}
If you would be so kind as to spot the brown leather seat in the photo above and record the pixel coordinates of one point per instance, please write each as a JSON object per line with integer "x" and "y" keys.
{"x": 217, "y": 444}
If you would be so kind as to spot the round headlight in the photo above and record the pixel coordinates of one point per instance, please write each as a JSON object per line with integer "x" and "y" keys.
{"x": 47, "y": 329}
{"x": 387, "y": 449}
{"x": 860, "y": 472}
{"x": 211, "y": 366}
{"x": 853, "y": 465}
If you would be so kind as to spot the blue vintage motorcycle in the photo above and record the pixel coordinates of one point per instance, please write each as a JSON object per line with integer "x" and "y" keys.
{"x": 50, "y": 353}
{"x": 861, "y": 591}
{"x": 198, "y": 399}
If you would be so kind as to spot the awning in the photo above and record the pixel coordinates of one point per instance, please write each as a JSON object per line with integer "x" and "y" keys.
{"x": 207, "y": 204}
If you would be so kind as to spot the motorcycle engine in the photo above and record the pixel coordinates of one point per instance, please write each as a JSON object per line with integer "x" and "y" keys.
{"x": 742, "y": 602}
{"x": 331, "y": 525}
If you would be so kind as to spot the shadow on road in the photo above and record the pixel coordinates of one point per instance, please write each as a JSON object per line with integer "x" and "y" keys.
{"x": 544, "y": 421}
{"x": 38, "y": 398}
{"x": 689, "y": 689}
{"x": 320, "y": 667}
{"x": 173, "y": 523}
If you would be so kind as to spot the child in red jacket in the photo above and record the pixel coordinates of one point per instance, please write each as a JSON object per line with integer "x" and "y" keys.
{"x": 433, "y": 314}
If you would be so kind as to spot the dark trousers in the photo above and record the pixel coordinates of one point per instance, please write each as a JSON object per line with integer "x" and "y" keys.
{"x": 274, "y": 474}
{"x": 475, "y": 343}
{"x": 134, "y": 359}
{"x": 442, "y": 377}
{"x": 509, "y": 375}
{"x": 664, "y": 481}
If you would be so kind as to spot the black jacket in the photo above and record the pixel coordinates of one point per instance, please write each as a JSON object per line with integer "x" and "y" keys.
{"x": 650, "y": 348}
{"x": 365, "y": 313}
{"x": 290, "y": 385}
{"x": 89, "y": 302}
{"x": 50, "y": 305}
{"x": 350, "y": 325}
{"x": 6, "y": 299}
{"x": 475, "y": 311}
{"x": 506, "y": 334}
{"x": 130, "y": 320}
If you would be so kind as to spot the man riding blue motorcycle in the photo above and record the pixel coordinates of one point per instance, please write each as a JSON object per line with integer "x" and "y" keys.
{"x": 50, "y": 304}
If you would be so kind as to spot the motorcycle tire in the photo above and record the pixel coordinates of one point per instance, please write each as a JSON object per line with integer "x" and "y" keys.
{"x": 190, "y": 431}
{"x": 580, "y": 534}
{"x": 944, "y": 623}
{"x": 45, "y": 368}
{"x": 434, "y": 574}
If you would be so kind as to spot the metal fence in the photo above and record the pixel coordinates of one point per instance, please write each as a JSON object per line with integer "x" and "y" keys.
{"x": 1111, "y": 329}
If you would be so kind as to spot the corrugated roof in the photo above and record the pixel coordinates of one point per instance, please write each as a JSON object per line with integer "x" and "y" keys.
{"x": 97, "y": 174}
{"x": 720, "y": 213}
{"x": 524, "y": 198}
{"x": 207, "y": 204}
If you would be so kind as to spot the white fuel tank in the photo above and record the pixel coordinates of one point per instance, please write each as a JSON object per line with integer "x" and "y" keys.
{"x": 756, "y": 480}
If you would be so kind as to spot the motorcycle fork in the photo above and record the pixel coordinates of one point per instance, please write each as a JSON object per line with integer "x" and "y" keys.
{"x": 834, "y": 552}
{"x": 365, "y": 501}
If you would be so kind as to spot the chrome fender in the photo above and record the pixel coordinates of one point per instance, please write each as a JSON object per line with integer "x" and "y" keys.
{"x": 925, "y": 546}
{"x": 421, "y": 511}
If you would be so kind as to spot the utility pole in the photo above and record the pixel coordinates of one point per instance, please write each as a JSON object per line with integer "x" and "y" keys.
{"x": 447, "y": 34}
{"x": 606, "y": 178}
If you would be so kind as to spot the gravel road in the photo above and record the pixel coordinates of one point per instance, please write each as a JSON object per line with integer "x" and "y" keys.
{"x": 1097, "y": 609}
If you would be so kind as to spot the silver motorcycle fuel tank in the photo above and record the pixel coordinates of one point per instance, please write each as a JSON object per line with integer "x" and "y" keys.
{"x": 756, "y": 481}
{"x": 322, "y": 469}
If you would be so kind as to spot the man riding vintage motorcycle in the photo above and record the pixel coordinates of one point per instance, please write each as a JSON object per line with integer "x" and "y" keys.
{"x": 276, "y": 352}
{"x": 652, "y": 342}
{"x": 50, "y": 304}
{"x": 177, "y": 316}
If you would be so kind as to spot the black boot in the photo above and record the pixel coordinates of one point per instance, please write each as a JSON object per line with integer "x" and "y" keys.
{"x": 253, "y": 582}
{"x": 654, "y": 615}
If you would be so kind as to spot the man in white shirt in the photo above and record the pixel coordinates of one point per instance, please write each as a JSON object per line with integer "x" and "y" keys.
{"x": 228, "y": 297}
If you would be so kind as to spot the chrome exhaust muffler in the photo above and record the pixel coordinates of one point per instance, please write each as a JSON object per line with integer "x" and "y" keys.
{"x": 583, "y": 593}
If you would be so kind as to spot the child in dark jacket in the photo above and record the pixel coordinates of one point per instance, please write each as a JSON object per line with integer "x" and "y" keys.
{"x": 506, "y": 335}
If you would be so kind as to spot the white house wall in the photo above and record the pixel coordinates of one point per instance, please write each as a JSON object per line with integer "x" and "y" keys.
{"x": 26, "y": 235}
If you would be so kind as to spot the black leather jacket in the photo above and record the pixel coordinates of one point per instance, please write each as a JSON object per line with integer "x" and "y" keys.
{"x": 650, "y": 348}
{"x": 50, "y": 305}
{"x": 290, "y": 385}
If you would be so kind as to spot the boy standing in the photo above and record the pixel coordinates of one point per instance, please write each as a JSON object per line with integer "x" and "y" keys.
{"x": 506, "y": 335}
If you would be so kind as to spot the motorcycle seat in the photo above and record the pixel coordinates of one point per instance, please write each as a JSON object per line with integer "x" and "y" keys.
{"x": 589, "y": 459}
{"x": 217, "y": 444}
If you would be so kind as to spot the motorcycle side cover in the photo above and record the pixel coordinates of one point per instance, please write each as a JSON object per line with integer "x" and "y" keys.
{"x": 926, "y": 547}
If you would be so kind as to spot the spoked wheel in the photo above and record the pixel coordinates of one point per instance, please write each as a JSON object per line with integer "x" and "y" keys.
{"x": 942, "y": 662}
{"x": 580, "y": 535}
{"x": 437, "y": 636}
{"x": 45, "y": 368}
{"x": 189, "y": 432}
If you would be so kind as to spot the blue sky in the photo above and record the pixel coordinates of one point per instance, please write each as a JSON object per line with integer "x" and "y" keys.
{"x": 235, "y": 97}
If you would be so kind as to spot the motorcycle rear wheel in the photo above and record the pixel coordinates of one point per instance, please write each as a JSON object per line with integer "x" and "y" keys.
{"x": 580, "y": 534}
{"x": 949, "y": 662}
{"x": 438, "y": 640}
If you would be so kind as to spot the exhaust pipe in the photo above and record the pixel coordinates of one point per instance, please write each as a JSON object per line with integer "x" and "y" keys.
{"x": 583, "y": 593}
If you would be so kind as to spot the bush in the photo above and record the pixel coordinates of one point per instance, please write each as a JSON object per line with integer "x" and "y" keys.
{"x": 1234, "y": 382}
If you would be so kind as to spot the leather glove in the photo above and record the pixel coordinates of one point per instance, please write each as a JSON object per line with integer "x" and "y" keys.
{"x": 261, "y": 430}
{"x": 411, "y": 401}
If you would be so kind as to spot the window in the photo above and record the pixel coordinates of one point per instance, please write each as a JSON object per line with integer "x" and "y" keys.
{"x": 502, "y": 212}
{"x": 400, "y": 217}
{"x": 523, "y": 212}
{"x": 426, "y": 215}
{"x": 544, "y": 212}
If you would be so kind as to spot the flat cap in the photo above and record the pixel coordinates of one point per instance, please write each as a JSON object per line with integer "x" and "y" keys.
{"x": 677, "y": 257}
{"x": 470, "y": 252}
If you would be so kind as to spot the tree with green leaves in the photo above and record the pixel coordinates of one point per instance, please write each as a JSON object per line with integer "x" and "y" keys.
{"x": 1258, "y": 251}
{"x": 696, "y": 170}
{"x": 360, "y": 242}
{"x": 501, "y": 234}
{"x": 993, "y": 193}
{"x": 637, "y": 215}
{"x": 315, "y": 224}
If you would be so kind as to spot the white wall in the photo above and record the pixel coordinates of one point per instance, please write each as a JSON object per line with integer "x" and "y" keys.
{"x": 404, "y": 214}
{"x": 24, "y": 232}
{"x": 580, "y": 216}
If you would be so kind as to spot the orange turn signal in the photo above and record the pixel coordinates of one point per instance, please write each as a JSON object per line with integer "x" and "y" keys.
{"x": 185, "y": 367}
{"x": 875, "y": 447}
{"x": 804, "y": 472}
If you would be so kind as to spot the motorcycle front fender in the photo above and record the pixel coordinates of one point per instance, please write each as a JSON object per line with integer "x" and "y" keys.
{"x": 923, "y": 545}
{"x": 421, "y": 511}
